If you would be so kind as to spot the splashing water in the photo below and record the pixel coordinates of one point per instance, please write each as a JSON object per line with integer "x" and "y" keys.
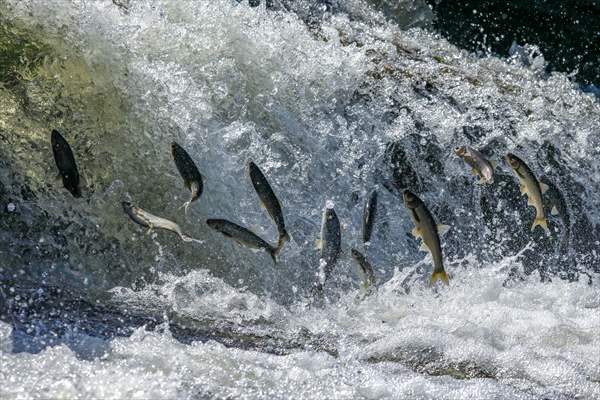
{"x": 330, "y": 101}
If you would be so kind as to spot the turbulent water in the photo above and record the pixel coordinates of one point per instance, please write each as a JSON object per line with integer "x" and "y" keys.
{"x": 332, "y": 99}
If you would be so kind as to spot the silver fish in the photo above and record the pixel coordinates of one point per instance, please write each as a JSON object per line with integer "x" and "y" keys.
{"x": 427, "y": 230}
{"x": 365, "y": 270}
{"x": 192, "y": 178}
{"x": 531, "y": 187}
{"x": 269, "y": 201}
{"x": 369, "y": 215}
{"x": 152, "y": 222}
{"x": 242, "y": 235}
{"x": 480, "y": 166}
{"x": 331, "y": 240}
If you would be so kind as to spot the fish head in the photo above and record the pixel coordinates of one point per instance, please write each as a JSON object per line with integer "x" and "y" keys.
{"x": 175, "y": 149}
{"x": 513, "y": 161}
{"x": 127, "y": 206}
{"x": 460, "y": 151}
{"x": 410, "y": 199}
{"x": 216, "y": 224}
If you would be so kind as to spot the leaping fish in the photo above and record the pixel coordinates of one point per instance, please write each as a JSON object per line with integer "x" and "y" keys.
{"x": 329, "y": 245}
{"x": 365, "y": 270}
{"x": 480, "y": 166}
{"x": 427, "y": 230}
{"x": 533, "y": 188}
{"x": 65, "y": 162}
{"x": 152, "y": 222}
{"x": 369, "y": 215}
{"x": 242, "y": 235}
{"x": 269, "y": 201}
{"x": 192, "y": 178}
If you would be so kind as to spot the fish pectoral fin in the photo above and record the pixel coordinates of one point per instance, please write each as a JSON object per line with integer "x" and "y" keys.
{"x": 318, "y": 244}
{"x": 416, "y": 232}
{"x": 443, "y": 229}
{"x": 554, "y": 210}
{"x": 494, "y": 164}
{"x": 424, "y": 248}
{"x": 543, "y": 187}
{"x": 474, "y": 171}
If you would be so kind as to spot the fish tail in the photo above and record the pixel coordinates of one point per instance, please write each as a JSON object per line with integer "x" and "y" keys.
{"x": 282, "y": 239}
{"x": 543, "y": 222}
{"x": 189, "y": 239}
{"x": 442, "y": 276}
{"x": 273, "y": 253}
{"x": 185, "y": 206}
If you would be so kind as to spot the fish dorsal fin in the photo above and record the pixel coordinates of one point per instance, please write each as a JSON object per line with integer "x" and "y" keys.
{"x": 443, "y": 229}
{"x": 530, "y": 202}
{"x": 554, "y": 210}
{"x": 319, "y": 244}
{"x": 543, "y": 187}
{"x": 416, "y": 232}
{"x": 424, "y": 248}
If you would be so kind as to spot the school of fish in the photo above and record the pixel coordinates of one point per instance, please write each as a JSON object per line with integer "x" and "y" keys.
{"x": 330, "y": 242}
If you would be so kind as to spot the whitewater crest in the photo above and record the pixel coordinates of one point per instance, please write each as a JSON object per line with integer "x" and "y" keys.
{"x": 331, "y": 100}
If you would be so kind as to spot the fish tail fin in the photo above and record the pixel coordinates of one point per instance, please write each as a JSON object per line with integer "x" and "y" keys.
{"x": 189, "y": 239}
{"x": 282, "y": 239}
{"x": 273, "y": 253}
{"x": 185, "y": 206}
{"x": 543, "y": 222}
{"x": 441, "y": 276}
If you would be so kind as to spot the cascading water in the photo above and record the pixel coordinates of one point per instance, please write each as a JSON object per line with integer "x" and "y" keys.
{"x": 331, "y": 99}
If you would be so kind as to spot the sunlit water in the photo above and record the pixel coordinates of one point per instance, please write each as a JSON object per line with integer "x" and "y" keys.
{"x": 316, "y": 108}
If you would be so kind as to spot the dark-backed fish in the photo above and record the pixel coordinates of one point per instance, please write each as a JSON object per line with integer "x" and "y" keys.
{"x": 65, "y": 161}
{"x": 480, "y": 165}
{"x": 369, "y": 215}
{"x": 269, "y": 201}
{"x": 531, "y": 187}
{"x": 365, "y": 270}
{"x": 192, "y": 178}
{"x": 330, "y": 243}
{"x": 427, "y": 230}
{"x": 150, "y": 221}
{"x": 242, "y": 235}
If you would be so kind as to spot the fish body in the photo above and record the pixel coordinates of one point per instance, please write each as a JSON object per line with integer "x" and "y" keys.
{"x": 369, "y": 215}
{"x": 242, "y": 235}
{"x": 331, "y": 240}
{"x": 65, "y": 162}
{"x": 150, "y": 221}
{"x": 479, "y": 164}
{"x": 427, "y": 230}
{"x": 192, "y": 178}
{"x": 531, "y": 187}
{"x": 269, "y": 201}
{"x": 365, "y": 270}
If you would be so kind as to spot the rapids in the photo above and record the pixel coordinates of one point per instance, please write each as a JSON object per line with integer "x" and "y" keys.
{"x": 331, "y": 99}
